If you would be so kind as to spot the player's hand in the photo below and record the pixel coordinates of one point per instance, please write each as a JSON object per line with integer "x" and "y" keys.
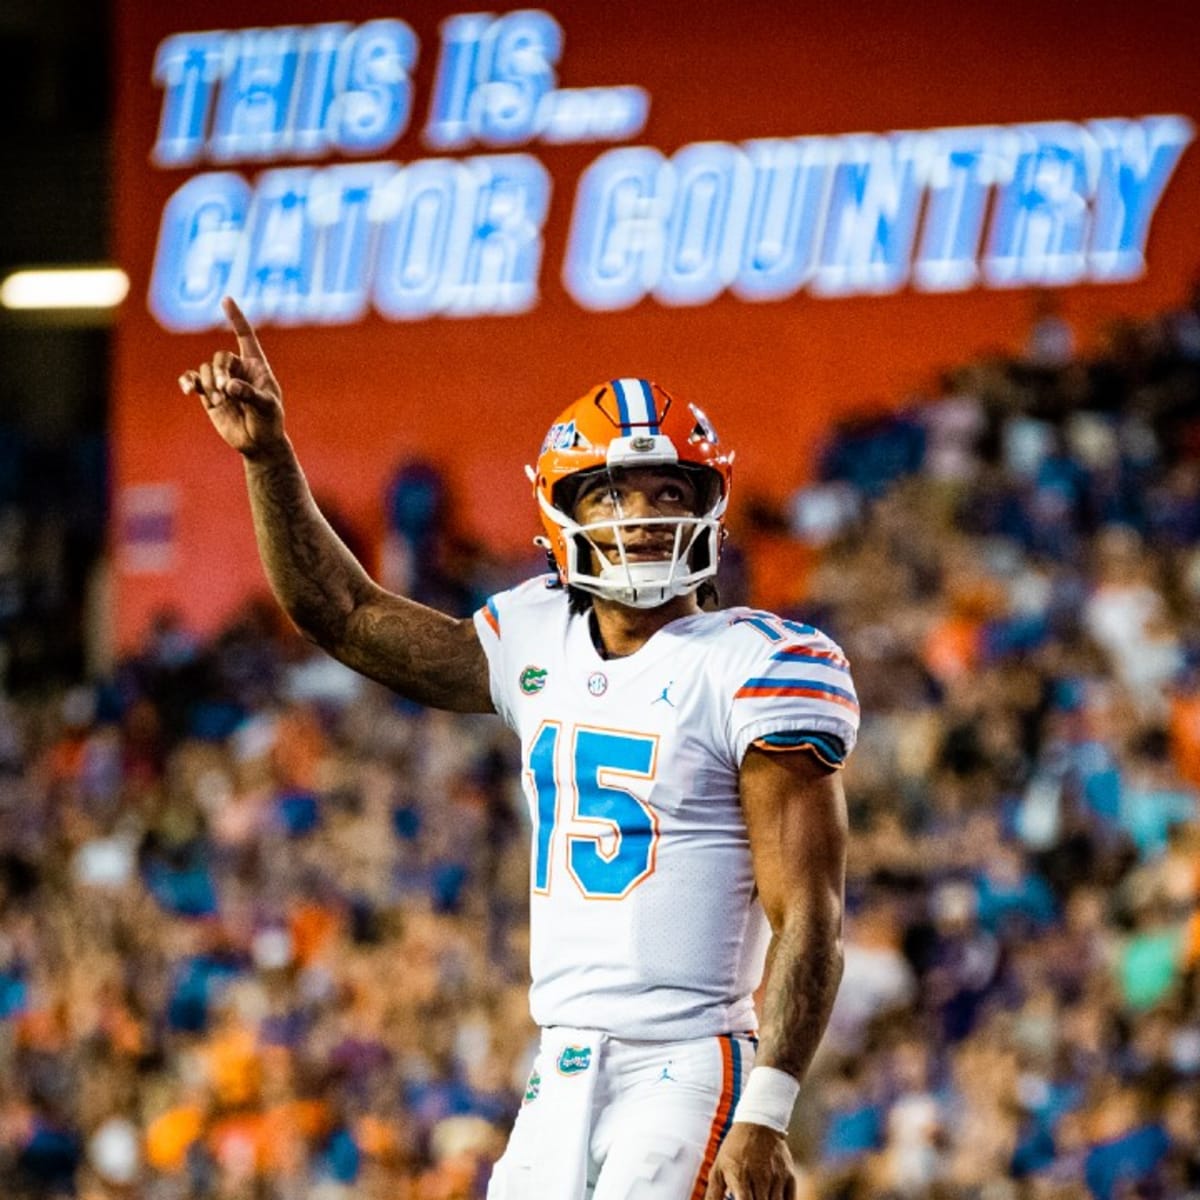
{"x": 239, "y": 391}
{"x": 754, "y": 1163}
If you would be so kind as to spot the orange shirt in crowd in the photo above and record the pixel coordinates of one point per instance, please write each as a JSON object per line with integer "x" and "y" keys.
{"x": 268, "y": 1143}
{"x": 300, "y": 746}
{"x": 170, "y": 1136}
{"x": 234, "y": 1068}
{"x": 313, "y": 927}
{"x": 951, "y": 647}
{"x": 1185, "y": 736}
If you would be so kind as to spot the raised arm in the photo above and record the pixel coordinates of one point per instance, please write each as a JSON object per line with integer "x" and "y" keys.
{"x": 421, "y": 653}
{"x": 795, "y": 814}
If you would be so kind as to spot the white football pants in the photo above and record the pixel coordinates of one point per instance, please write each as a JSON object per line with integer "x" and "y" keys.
{"x": 606, "y": 1119}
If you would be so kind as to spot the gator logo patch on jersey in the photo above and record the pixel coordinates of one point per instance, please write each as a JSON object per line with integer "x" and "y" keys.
{"x": 574, "y": 1060}
{"x": 532, "y": 680}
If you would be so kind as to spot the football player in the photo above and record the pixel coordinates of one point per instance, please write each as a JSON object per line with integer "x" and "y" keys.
{"x": 681, "y": 768}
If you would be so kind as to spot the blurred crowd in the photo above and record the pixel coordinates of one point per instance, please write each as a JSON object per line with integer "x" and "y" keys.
{"x": 262, "y": 924}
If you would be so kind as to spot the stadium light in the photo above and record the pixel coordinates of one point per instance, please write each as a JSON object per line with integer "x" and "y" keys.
{"x": 64, "y": 287}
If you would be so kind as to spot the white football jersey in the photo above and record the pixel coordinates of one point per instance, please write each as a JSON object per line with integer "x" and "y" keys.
{"x": 644, "y": 919}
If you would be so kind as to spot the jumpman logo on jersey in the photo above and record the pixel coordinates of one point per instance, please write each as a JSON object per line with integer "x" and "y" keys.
{"x": 663, "y": 697}
{"x": 666, "y": 1071}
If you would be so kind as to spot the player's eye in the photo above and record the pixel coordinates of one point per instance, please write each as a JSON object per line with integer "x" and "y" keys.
{"x": 601, "y": 499}
{"x": 674, "y": 493}
{"x": 596, "y": 492}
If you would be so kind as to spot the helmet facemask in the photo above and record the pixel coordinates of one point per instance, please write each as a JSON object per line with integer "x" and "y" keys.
{"x": 633, "y": 581}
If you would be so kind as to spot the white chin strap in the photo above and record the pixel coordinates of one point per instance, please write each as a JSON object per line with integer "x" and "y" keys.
{"x": 638, "y": 583}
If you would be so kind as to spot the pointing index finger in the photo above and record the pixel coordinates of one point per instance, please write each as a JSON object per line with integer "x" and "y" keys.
{"x": 248, "y": 346}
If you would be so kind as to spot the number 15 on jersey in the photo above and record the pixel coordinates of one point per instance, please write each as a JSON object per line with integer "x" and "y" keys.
{"x": 586, "y": 811}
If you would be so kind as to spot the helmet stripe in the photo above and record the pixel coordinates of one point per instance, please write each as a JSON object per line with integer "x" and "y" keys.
{"x": 635, "y": 405}
{"x": 651, "y": 411}
{"x": 622, "y": 405}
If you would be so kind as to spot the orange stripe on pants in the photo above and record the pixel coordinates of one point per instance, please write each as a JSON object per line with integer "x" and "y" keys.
{"x": 720, "y": 1123}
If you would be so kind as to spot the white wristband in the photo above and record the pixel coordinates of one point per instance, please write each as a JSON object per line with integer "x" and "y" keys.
{"x": 768, "y": 1099}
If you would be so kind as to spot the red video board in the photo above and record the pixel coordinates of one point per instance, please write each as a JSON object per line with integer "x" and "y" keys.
{"x": 447, "y": 224}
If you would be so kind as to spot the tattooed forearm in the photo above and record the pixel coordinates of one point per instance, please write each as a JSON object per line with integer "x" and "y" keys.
{"x": 805, "y": 970}
{"x": 423, "y": 654}
{"x": 312, "y": 573}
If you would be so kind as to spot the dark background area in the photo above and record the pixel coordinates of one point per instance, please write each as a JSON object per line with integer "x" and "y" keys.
{"x": 55, "y": 193}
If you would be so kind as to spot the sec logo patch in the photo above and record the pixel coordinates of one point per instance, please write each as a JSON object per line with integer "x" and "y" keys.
{"x": 597, "y": 683}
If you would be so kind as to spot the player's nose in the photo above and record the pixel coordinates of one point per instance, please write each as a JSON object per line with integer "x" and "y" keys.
{"x": 637, "y": 503}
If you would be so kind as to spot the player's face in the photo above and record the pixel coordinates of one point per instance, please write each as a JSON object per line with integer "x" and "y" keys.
{"x": 629, "y": 495}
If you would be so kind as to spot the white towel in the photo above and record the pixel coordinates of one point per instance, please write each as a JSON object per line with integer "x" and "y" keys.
{"x": 571, "y": 1067}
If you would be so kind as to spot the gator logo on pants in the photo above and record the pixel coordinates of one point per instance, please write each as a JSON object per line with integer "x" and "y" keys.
{"x": 574, "y": 1060}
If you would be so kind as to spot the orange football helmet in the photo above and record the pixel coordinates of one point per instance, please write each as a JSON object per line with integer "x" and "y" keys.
{"x": 627, "y": 424}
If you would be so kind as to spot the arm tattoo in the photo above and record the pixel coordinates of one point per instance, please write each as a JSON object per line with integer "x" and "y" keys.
{"x": 805, "y": 970}
{"x": 421, "y": 653}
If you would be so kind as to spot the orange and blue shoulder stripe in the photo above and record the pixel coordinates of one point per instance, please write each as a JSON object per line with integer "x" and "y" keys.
{"x": 491, "y": 614}
{"x": 814, "y": 689}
